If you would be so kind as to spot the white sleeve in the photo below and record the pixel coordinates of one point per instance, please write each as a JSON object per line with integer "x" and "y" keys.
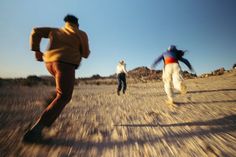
{"x": 124, "y": 69}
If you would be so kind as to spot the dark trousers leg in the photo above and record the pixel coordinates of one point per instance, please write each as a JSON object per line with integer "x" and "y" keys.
{"x": 64, "y": 76}
{"x": 119, "y": 81}
{"x": 124, "y": 84}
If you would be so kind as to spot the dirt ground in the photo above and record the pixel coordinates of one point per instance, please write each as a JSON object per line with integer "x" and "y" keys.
{"x": 98, "y": 123}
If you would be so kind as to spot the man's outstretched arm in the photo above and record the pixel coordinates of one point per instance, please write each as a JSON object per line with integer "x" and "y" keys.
{"x": 157, "y": 61}
{"x": 187, "y": 63}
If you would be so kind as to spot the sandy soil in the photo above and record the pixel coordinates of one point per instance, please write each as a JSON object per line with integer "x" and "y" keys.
{"x": 99, "y": 123}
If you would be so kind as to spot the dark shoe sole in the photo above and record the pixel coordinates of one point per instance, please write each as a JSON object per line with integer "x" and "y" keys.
{"x": 31, "y": 137}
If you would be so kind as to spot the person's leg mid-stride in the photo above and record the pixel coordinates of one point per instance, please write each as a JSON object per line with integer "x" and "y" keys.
{"x": 123, "y": 78}
{"x": 65, "y": 78}
{"x": 167, "y": 79}
{"x": 178, "y": 80}
{"x": 121, "y": 83}
{"x": 64, "y": 75}
{"x": 172, "y": 76}
{"x": 119, "y": 87}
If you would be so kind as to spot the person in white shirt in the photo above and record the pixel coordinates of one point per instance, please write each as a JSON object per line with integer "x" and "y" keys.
{"x": 121, "y": 77}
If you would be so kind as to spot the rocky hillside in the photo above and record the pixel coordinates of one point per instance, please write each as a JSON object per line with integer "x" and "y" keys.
{"x": 149, "y": 74}
{"x": 145, "y": 73}
{"x": 139, "y": 74}
{"x": 218, "y": 72}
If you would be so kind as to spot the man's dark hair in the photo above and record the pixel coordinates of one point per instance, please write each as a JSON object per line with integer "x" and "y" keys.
{"x": 71, "y": 19}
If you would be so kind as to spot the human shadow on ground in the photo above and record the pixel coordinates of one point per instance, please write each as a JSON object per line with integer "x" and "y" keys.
{"x": 211, "y": 90}
{"x": 216, "y": 126}
{"x": 225, "y": 121}
{"x": 204, "y": 102}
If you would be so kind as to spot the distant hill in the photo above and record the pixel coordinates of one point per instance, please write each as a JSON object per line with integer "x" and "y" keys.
{"x": 136, "y": 75}
{"x": 145, "y": 73}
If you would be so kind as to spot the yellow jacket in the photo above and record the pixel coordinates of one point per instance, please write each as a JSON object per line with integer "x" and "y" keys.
{"x": 67, "y": 44}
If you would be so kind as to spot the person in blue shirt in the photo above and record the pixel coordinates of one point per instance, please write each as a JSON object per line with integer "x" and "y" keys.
{"x": 172, "y": 71}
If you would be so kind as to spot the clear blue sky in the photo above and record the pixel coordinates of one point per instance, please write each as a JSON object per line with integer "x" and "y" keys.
{"x": 134, "y": 30}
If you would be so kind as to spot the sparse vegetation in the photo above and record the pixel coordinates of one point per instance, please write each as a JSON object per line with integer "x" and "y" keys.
{"x": 137, "y": 75}
{"x": 97, "y": 122}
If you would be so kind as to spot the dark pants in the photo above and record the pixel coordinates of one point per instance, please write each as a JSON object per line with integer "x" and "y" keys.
{"x": 64, "y": 75}
{"x": 121, "y": 82}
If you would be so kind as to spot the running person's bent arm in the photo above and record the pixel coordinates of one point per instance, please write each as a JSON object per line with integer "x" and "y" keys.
{"x": 124, "y": 69}
{"x": 36, "y": 35}
{"x": 84, "y": 44}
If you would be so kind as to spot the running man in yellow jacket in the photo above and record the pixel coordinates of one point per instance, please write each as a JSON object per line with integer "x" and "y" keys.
{"x": 67, "y": 46}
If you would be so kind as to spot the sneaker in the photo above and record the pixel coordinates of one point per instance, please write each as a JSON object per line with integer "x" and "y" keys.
{"x": 32, "y": 136}
{"x": 170, "y": 103}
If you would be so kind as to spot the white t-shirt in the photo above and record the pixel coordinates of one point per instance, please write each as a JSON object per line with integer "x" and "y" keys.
{"x": 121, "y": 68}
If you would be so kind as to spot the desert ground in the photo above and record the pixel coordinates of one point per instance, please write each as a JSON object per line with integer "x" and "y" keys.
{"x": 98, "y": 123}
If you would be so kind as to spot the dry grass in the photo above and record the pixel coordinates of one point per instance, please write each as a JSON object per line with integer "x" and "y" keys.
{"x": 97, "y": 122}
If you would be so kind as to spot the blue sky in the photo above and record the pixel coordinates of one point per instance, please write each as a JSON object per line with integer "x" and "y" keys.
{"x": 134, "y": 30}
